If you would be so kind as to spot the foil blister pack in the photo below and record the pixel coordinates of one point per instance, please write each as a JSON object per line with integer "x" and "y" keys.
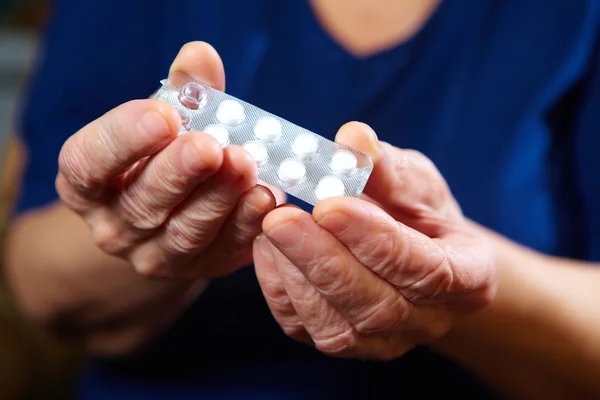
{"x": 296, "y": 160}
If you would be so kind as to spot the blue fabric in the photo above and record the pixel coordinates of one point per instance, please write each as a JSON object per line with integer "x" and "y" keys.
{"x": 502, "y": 95}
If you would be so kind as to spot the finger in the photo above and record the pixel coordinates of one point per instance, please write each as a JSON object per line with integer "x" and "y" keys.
{"x": 94, "y": 156}
{"x": 232, "y": 248}
{"x": 195, "y": 223}
{"x": 146, "y": 199}
{"x": 198, "y": 61}
{"x": 274, "y": 291}
{"x": 415, "y": 264}
{"x": 331, "y": 332}
{"x": 368, "y": 302}
{"x": 405, "y": 182}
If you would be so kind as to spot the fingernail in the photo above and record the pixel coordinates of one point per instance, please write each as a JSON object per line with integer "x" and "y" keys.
{"x": 255, "y": 208}
{"x": 154, "y": 124}
{"x": 264, "y": 246}
{"x": 287, "y": 236}
{"x": 264, "y": 199}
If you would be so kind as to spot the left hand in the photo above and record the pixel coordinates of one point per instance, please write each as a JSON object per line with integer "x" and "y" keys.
{"x": 372, "y": 278}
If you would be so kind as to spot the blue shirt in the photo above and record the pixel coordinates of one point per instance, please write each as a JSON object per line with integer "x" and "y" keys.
{"x": 504, "y": 96}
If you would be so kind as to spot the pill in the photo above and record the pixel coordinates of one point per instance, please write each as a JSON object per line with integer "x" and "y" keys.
{"x": 231, "y": 112}
{"x": 291, "y": 172}
{"x": 186, "y": 121}
{"x": 218, "y": 132}
{"x": 305, "y": 146}
{"x": 268, "y": 129}
{"x": 289, "y": 157}
{"x": 192, "y": 95}
{"x": 258, "y": 152}
{"x": 330, "y": 186}
{"x": 343, "y": 162}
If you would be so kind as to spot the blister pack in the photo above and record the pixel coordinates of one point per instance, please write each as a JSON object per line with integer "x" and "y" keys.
{"x": 296, "y": 160}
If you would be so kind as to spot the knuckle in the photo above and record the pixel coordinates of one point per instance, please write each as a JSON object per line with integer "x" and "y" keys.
{"x": 150, "y": 267}
{"x": 74, "y": 166}
{"x": 108, "y": 236}
{"x": 435, "y": 280}
{"x": 330, "y": 275}
{"x": 387, "y": 252}
{"x": 216, "y": 202}
{"x": 203, "y": 216}
{"x": 211, "y": 209}
{"x": 435, "y": 330}
{"x": 382, "y": 317}
{"x": 151, "y": 261}
{"x": 70, "y": 196}
{"x": 183, "y": 238}
{"x": 168, "y": 177}
{"x": 276, "y": 295}
{"x": 137, "y": 214}
{"x": 382, "y": 248}
{"x": 108, "y": 130}
{"x": 279, "y": 301}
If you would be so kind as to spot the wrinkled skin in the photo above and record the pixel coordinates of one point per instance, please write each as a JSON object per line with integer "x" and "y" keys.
{"x": 366, "y": 278}
{"x": 371, "y": 278}
{"x": 174, "y": 206}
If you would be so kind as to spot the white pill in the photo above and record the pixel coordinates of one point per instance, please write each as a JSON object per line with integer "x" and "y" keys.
{"x": 231, "y": 112}
{"x": 258, "y": 152}
{"x": 268, "y": 128}
{"x": 305, "y": 146}
{"x": 343, "y": 162}
{"x": 218, "y": 132}
{"x": 330, "y": 186}
{"x": 291, "y": 172}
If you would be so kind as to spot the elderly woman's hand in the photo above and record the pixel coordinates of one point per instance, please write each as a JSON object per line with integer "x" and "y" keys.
{"x": 371, "y": 278}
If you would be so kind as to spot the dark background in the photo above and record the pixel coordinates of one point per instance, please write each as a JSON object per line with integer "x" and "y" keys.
{"x": 32, "y": 365}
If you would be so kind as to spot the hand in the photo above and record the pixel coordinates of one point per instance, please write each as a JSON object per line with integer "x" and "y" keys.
{"x": 371, "y": 278}
{"x": 174, "y": 206}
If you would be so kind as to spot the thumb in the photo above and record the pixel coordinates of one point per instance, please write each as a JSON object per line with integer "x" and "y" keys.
{"x": 360, "y": 137}
{"x": 403, "y": 182}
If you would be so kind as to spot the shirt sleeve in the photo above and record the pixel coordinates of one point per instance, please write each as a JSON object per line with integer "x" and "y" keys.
{"x": 587, "y": 159}
{"x": 94, "y": 55}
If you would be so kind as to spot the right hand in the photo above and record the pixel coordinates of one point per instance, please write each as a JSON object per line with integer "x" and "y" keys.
{"x": 173, "y": 206}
